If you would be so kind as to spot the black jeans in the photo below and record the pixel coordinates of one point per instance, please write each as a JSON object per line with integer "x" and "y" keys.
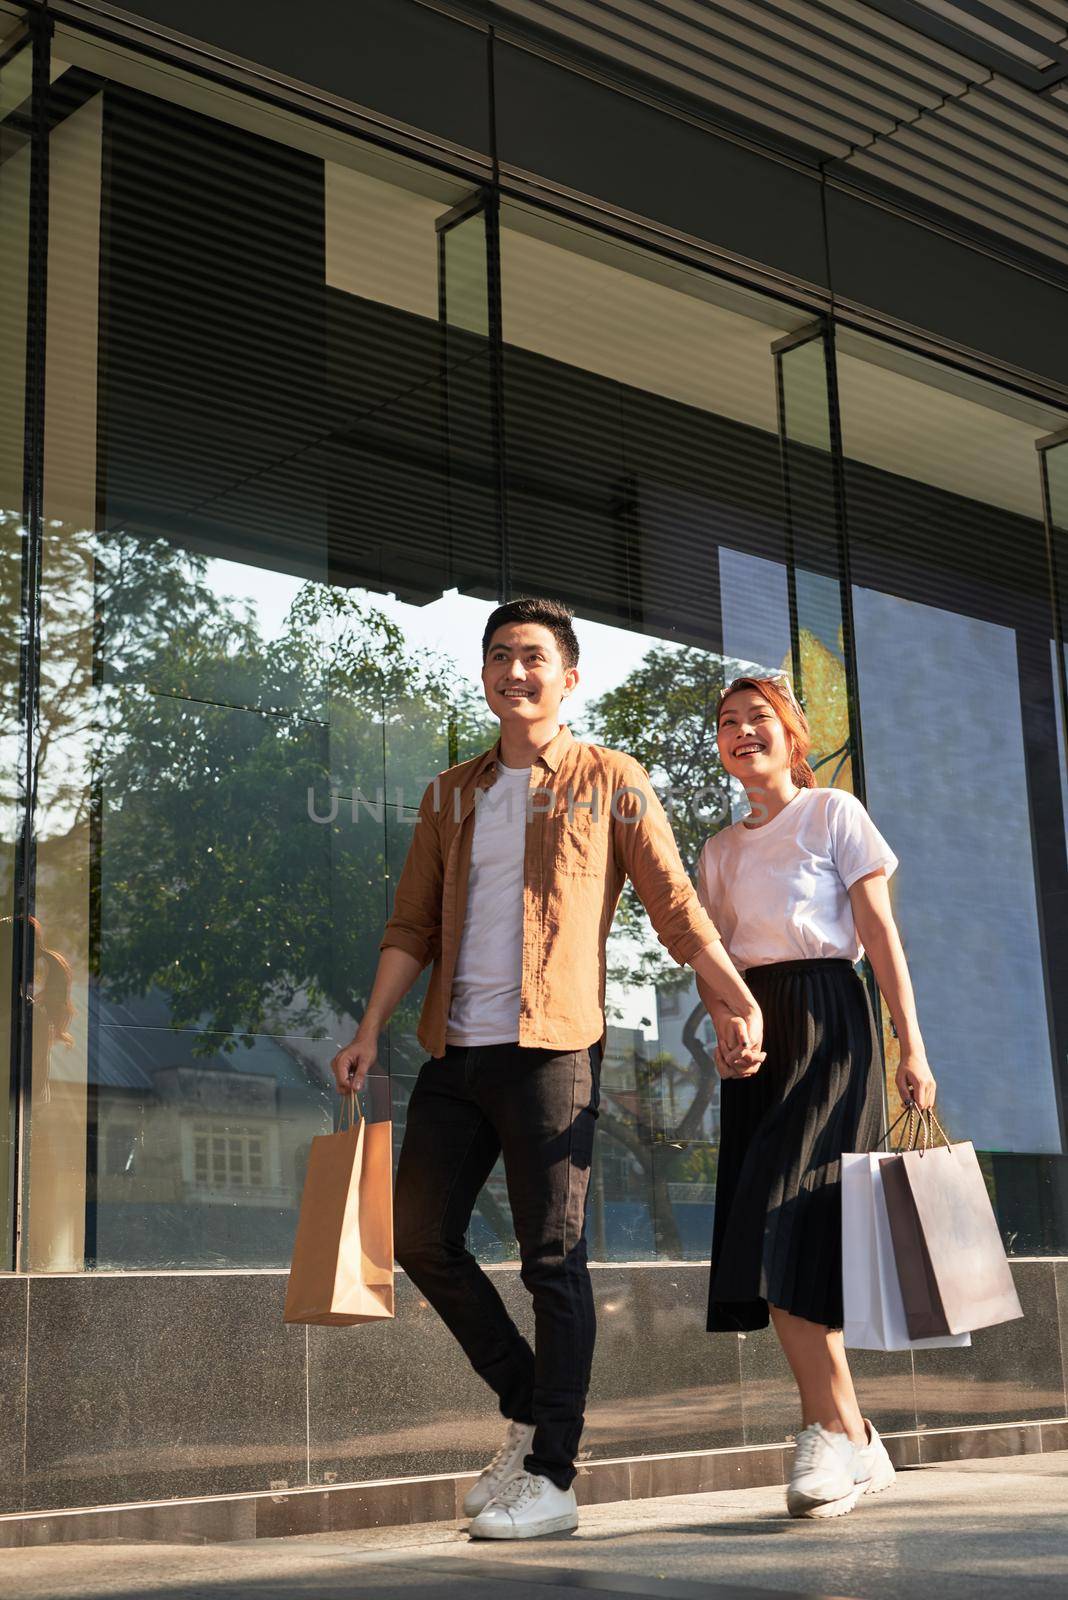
{"x": 539, "y": 1109}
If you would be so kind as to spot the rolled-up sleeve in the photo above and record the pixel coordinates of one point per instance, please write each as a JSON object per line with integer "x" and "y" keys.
{"x": 415, "y": 925}
{"x": 646, "y": 849}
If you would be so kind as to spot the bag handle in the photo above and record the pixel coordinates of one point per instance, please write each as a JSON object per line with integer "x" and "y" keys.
{"x": 349, "y": 1101}
{"x": 921, "y": 1126}
{"x": 933, "y": 1126}
{"x": 907, "y": 1140}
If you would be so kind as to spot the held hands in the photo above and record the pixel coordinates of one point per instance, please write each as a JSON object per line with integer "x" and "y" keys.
{"x": 915, "y": 1080}
{"x": 352, "y": 1064}
{"x": 739, "y": 1040}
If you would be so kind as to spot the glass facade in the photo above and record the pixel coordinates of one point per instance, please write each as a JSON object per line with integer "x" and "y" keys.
{"x": 300, "y": 412}
{"x": 959, "y": 703}
{"x": 268, "y": 539}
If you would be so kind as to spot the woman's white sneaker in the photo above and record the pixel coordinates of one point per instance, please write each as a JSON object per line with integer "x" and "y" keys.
{"x": 874, "y": 1470}
{"x": 527, "y": 1506}
{"x": 823, "y": 1481}
{"x": 505, "y": 1464}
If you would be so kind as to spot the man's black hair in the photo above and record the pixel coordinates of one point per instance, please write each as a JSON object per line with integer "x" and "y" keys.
{"x": 551, "y": 614}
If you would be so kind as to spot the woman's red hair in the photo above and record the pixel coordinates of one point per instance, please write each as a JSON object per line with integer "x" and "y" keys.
{"x": 779, "y": 696}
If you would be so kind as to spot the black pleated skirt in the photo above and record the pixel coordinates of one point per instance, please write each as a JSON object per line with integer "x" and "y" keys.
{"x": 777, "y": 1233}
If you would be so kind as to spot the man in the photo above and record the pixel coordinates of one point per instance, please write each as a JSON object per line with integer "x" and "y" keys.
{"x": 515, "y": 868}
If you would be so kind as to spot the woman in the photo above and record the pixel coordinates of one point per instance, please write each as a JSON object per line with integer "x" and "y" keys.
{"x": 799, "y": 891}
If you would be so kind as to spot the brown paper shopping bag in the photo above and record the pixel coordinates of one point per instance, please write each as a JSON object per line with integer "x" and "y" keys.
{"x": 950, "y": 1260}
{"x": 342, "y": 1268}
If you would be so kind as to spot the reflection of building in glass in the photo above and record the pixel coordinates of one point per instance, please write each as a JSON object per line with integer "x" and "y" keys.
{"x": 684, "y": 1071}
{"x": 197, "y": 1155}
{"x": 625, "y": 1073}
{"x": 620, "y": 1203}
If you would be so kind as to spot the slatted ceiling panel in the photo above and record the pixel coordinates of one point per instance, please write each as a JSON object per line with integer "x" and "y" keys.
{"x": 966, "y": 136}
{"x": 1046, "y": 17}
{"x": 784, "y": 110}
{"x": 994, "y": 208}
{"x": 828, "y": 67}
{"x": 1034, "y": 175}
{"x": 1038, "y": 21}
{"x": 864, "y": 92}
{"x": 778, "y": 55}
{"x": 1040, "y": 241}
{"x": 990, "y": 158}
{"x": 837, "y": 38}
{"x": 998, "y": 129}
{"x": 866, "y": 44}
{"x": 979, "y": 141}
{"x": 753, "y": 69}
{"x": 859, "y": 39}
{"x": 977, "y": 128}
{"x": 976, "y": 168}
{"x": 1030, "y": 114}
{"x": 895, "y": 39}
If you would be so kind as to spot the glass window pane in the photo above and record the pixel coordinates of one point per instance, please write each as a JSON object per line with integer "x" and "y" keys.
{"x": 465, "y": 297}
{"x": 958, "y": 701}
{"x": 270, "y": 549}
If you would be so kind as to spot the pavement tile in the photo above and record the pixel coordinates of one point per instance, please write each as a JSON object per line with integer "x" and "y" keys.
{"x": 983, "y": 1529}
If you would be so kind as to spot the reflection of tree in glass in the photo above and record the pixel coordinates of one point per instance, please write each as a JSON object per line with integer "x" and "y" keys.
{"x": 700, "y": 1164}
{"x": 827, "y": 708}
{"x": 218, "y": 886}
{"x": 664, "y": 714}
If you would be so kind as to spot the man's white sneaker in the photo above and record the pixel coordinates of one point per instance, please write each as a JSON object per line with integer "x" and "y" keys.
{"x": 874, "y": 1470}
{"x": 527, "y": 1506}
{"x": 822, "y": 1481}
{"x": 505, "y": 1464}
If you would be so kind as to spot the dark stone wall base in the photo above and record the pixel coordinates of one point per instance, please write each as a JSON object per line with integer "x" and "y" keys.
{"x": 403, "y": 1501}
{"x": 176, "y": 1391}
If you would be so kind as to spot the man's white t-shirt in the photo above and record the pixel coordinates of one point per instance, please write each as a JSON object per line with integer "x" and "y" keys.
{"x": 484, "y": 1006}
{"x": 779, "y": 892}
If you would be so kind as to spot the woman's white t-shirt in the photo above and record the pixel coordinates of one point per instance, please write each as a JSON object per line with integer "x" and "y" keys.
{"x": 779, "y": 892}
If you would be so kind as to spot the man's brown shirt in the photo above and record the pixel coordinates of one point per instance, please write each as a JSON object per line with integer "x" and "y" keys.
{"x": 594, "y": 820}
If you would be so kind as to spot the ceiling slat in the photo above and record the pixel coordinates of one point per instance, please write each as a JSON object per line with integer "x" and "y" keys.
{"x": 1042, "y": 149}
{"x": 927, "y": 77}
{"x": 971, "y": 145}
{"x": 1006, "y": 39}
{"x": 874, "y": 22}
{"x": 820, "y": 129}
{"x": 1029, "y": 207}
{"x": 860, "y": 88}
{"x": 699, "y": 51}
{"x": 849, "y": 49}
{"x": 1040, "y": 243}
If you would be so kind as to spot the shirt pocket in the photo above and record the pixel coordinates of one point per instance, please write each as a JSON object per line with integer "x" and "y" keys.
{"x": 578, "y": 842}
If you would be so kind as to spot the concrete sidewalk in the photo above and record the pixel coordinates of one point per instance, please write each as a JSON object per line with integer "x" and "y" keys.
{"x": 966, "y": 1531}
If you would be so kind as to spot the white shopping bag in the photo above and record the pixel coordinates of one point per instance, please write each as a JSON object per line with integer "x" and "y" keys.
{"x": 874, "y": 1311}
